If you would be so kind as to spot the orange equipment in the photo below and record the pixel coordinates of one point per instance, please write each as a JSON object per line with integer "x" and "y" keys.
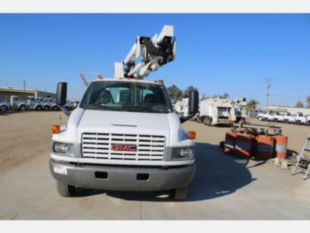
{"x": 281, "y": 146}
{"x": 243, "y": 145}
{"x": 230, "y": 141}
{"x": 264, "y": 147}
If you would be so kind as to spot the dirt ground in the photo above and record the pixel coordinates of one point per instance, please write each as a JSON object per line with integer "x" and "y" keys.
{"x": 223, "y": 187}
{"x": 25, "y": 136}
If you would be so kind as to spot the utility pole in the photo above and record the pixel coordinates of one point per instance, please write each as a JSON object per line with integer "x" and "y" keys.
{"x": 24, "y": 85}
{"x": 268, "y": 85}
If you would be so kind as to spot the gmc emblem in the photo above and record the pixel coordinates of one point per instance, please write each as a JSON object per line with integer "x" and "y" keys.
{"x": 119, "y": 147}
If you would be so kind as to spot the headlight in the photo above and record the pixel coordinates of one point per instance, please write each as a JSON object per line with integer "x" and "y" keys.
{"x": 183, "y": 153}
{"x": 61, "y": 148}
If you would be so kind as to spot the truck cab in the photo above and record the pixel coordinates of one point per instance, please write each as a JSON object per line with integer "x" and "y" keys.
{"x": 123, "y": 136}
{"x": 17, "y": 104}
{"x": 300, "y": 118}
{"x": 35, "y": 103}
{"x": 50, "y": 104}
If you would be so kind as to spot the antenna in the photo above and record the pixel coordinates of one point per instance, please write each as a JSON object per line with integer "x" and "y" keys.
{"x": 83, "y": 74}
{"x": 268, "y": 85}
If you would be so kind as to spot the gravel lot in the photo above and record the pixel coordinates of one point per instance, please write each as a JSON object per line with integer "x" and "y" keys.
{"x": 223, "y": 188}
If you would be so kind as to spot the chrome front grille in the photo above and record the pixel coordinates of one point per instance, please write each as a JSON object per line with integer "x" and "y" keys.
{"x": 99, "y": 146}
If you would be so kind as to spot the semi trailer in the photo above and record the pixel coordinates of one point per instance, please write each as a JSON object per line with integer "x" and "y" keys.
{"x": 124, "y": 135}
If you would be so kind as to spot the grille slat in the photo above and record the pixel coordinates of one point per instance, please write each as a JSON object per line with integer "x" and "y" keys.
{"x": 99, "y": 146}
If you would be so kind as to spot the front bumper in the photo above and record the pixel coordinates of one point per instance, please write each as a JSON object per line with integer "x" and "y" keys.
{"x": 122, "y": 178}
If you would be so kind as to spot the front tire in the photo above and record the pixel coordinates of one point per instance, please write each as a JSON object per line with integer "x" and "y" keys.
{"x": 39, "y": 108}
{"x": 180, "y": 194}
{"x": 55, "y": 108}
{"x": 65, "y": 190}
{"x": 46, "y": 108}
{"x": 208, "y": 121}
{"x": 4, "y": 108}
{"x": 22, "y": 108}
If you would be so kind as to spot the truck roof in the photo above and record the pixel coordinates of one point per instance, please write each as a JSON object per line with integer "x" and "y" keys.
{"x": 134, "y": 80}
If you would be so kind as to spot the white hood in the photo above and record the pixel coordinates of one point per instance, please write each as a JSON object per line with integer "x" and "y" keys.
{"x": 118, "y": 122}
{"x": 99, "y": 121}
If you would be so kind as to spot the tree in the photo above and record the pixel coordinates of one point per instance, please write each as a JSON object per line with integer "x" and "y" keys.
{"x": 225, "y": 95}
{"x": 299, "y": 104}
{"x": 204, "y": 96}
{"x": 308, "y": 101}
{"x": 188, "y": 90}
{"x": 252, "y": 104}
{"x": 175, "y": 93}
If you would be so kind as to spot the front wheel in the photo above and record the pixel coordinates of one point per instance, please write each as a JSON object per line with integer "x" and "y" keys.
{"x": 22, "y": 108}
{"x": 55, "y": 108}
{"x": 180, "y": 194}
{"x": 38, "y": 108}
{"x": 65, "y": 190}
{"x": 4, "y": 108}
{"x": 208, "y": 121}
{"x": 46, "y": 108}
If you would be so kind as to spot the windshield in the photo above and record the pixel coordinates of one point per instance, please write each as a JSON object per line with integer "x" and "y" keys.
{"x": 126, "y": 96}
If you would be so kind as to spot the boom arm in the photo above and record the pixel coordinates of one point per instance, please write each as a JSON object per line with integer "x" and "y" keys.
{"x": 154, "y": 52}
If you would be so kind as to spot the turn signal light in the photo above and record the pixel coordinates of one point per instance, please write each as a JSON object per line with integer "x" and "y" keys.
{"x": 55, "y": 129}
{"x": 191, "y": 135}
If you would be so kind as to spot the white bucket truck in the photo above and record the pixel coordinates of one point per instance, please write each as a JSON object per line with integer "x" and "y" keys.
{"x": 124, "y": 135}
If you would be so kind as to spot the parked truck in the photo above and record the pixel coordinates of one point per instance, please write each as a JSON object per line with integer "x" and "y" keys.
{"x": 35, "y": 103}
{"x": 299, "y": 118}
{"x": 50, "y": 104}
{"x": 124, "y": 135}
{"x": 217, "y": 111}
{"x": 181, "y": 107}
{"x": 17, "y": 104}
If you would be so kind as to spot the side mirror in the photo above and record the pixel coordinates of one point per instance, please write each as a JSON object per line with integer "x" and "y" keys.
{"x": 61, "y": 94}
{"x": 193, "y": 102}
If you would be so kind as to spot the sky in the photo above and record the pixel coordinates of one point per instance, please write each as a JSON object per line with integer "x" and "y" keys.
{"x": 217, "y": 53}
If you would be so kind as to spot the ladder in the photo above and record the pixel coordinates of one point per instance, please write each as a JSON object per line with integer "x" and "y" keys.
{"x": 303, "y": 159}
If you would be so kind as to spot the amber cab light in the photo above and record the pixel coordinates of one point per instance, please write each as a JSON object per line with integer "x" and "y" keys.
{"x": 191, "y": 135}
{"x": 55, "y": 129}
